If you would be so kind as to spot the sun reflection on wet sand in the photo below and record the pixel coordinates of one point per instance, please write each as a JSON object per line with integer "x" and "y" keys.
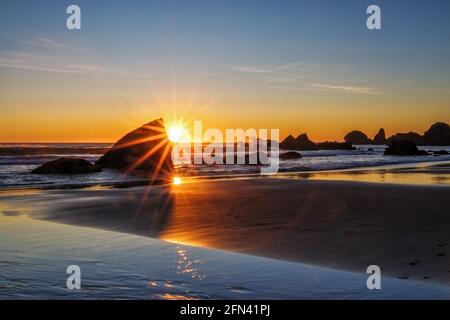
{"x": 169, "y": 296}
{"x": 177, "y": 181}
{"x": 187, "y": 266}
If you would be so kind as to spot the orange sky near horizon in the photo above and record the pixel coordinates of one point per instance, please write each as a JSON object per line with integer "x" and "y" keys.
{"x": 85, "y": 125}
{"x": 68, "y": 109}
{"x": 106, "y": 114}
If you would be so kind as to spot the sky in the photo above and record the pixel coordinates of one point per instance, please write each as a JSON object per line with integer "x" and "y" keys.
{"x": 298, "y": 66}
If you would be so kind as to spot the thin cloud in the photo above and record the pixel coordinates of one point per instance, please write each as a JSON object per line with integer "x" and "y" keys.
{"x": 305, "y": 77}
{"x": 331, "y": 88}
{"x": 45, "y": 43}
{"x": 30, "y": 62}
{"x": 276, "y": 78}
{"x": 249, "y": 69}
{"x": 349, "y": 89}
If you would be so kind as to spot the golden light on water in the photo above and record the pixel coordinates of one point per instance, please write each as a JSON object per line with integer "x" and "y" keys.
{"x": 177, "y": 181}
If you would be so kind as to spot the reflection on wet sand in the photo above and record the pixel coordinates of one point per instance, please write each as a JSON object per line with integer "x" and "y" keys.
{"x": 419, "y": 178}
{"x": 348, "y": 225}
{"x": 420, "y": 174}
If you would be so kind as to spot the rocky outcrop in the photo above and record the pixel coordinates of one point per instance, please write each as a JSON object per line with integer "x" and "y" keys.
{"x": 357, "y": 137}
{"x": 440, "y": 152}
{"x": 380, "y": 137}
{"x": 335, "y": 146}
{"x": 290, "y": 155}
{"x": 301, "y": 143}
{"x": 145, "y": 149}
{"x": 409, "y": 136}
{"x": 67, "y": 166}
{"x": 403, "y": 148}
{"x": 288, "y": 143}
{"x": 437, "y": 135}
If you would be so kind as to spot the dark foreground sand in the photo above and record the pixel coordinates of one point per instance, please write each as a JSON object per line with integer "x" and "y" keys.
{"x": 346, "y": 225}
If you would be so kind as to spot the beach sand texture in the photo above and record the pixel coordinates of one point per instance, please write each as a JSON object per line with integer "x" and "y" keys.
{"x": 405, "y": 229}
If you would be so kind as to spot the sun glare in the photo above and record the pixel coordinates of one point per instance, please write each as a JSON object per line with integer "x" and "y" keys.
{"x": 177, "y": 132}
{"x": 176, "y": 181}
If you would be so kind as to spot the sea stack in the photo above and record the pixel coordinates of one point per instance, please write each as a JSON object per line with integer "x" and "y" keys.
{"x": 403, "y": 148}
{"x": 301, "y": 143}
{"x": 357, "y": 137}
{"x": 146, "y": 149}
{"x": 437, "y": 135}
{"x": 380, "y": 137}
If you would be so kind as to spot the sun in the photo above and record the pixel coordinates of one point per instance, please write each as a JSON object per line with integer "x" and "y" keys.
{"x": 177, "y": 132}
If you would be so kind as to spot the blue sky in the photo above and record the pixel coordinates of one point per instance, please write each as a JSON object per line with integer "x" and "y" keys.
{"x": 313, "y": 58}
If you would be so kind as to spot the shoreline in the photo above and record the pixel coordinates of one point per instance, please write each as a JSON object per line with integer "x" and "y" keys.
{"x": 344, "y": 225}
{"x": 170, "y": 271}
{"x": 313, "y": 173}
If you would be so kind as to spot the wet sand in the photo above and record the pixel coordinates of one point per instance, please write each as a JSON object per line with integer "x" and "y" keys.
{"x": 405, "y": 229}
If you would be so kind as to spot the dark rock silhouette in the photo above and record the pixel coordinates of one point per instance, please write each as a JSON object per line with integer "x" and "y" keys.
{"x": 409, "y": 136}
{"x": 145, "y": 149}
{"x": 403, "y": 148}
{"x": 288, "y": 143}
{"x": 437, "y": 135}
{"x": 335, "y": 146}
{"x": 357, "y": 137}
{"x": 380, "y": 137}
{"x": 67, "y": 166}
{"x": 290, "y": 155}
{"x": 301, "y": 143}
{"x": 305, "y": 143}
{"x": 440, "y": 152}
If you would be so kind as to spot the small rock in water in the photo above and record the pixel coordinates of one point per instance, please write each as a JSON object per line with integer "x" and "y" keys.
{"x": 67, "y": 166}
{"x": 440, "y": 153}
{"x": 403, "y": 148}
{"x": 291, "y": 155}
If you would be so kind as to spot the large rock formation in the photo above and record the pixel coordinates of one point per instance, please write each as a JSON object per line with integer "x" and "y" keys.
{"x": 403, "y": 148}
{"x": 357, "y": 137}
{"x": 409, "y": 136}
{"x": 145, "y": 149}
{"x": 437, "y": 135}
{"x": 301, "y": 143}
{"x": 67, "y": 166}
{"x": 289, "y": 143}
{"x": 380, "y": 137}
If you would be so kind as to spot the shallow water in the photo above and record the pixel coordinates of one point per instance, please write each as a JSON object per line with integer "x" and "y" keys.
{"x": 34, "y": 256}
{"x": 15, "y": 170}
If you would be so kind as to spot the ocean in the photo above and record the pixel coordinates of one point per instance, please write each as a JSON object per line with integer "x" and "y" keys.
{"x": 18, "y": 160}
